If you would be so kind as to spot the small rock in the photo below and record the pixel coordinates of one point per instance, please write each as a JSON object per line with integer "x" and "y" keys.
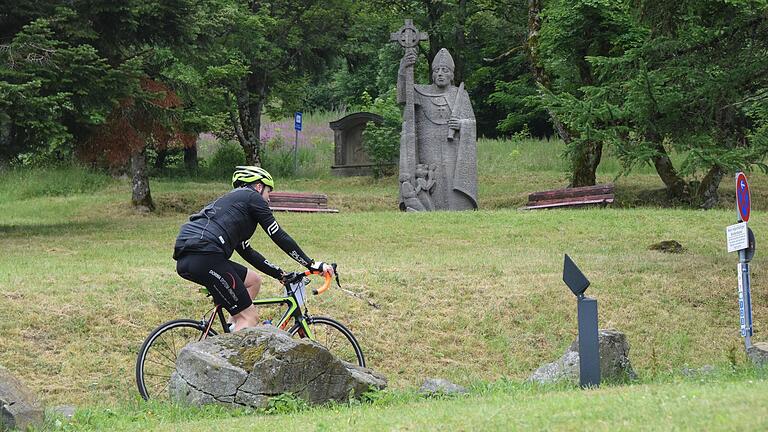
{"x": 65, "y": 411}
{"x": 433, "y": 386}
{"x": 668, "y": 246}
{"x": 565, "y": 368}
{"x": 758, "y": 353}
{"x": 704, "y": 370}
{"x": 19, "y": 408}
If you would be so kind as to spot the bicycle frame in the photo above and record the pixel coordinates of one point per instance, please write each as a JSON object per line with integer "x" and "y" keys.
{"x": 293, "y": 311}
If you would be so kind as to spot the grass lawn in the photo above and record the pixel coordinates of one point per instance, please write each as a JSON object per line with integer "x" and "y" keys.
{"x": 726, "y": 402}
{"x": 471, "y": 297}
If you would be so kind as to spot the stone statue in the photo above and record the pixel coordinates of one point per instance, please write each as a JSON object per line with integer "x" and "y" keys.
{"x": 409, "y": 196}
{"x": 425, "y": 184}
{"x": 438, "y": 131}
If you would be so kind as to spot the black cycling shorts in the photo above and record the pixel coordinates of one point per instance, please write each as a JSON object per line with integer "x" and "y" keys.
{"x": 223, "y": 278}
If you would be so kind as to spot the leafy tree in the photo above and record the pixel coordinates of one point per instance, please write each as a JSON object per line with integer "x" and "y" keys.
{"x": 679, "y": 78}
{"x": 80, "y": 63}
{"x": 266, "y": 55}
{"x": 562, "y": 38}
{"x": 53, "y": 92}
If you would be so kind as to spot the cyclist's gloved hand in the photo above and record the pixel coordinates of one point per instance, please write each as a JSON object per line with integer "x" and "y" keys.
{"x": 319, "y": 266}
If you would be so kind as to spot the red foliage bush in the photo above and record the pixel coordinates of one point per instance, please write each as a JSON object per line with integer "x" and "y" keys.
{"x": 131, "y": 128}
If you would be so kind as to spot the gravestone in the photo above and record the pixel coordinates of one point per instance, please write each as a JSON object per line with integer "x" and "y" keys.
{"x": 438, "y": 145}
{"x": 350, "y": 158}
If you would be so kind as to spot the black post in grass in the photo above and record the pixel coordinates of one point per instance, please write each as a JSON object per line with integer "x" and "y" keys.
{"x": 589, "y": 344}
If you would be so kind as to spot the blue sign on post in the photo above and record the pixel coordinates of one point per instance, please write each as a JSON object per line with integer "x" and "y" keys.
{"x": 297, "y": 121}
{"x": 296, "y": 125}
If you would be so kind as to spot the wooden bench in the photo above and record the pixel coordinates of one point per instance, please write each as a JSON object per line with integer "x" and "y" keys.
{"x": 601, "y": 194}
{"x": 299, "y": 202}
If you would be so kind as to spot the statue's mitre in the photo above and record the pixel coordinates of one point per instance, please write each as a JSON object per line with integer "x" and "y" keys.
{"x": 443, "y": 58}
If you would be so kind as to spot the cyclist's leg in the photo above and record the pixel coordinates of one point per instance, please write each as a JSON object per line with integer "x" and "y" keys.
{"x": 252, "y": 283}
{"x": 250, "y": 316}
{"x": 224, "y": 280}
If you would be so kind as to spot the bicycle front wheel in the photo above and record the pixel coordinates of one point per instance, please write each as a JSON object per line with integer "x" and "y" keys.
{"x": 334, "y": 337}
{"x": 157, "y": 355}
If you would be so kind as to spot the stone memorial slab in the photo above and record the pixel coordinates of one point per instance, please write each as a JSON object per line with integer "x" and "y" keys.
{"x": 350, "y": 157}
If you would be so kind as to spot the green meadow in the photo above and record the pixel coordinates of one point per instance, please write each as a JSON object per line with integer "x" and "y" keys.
{"x": 474, "y": 297}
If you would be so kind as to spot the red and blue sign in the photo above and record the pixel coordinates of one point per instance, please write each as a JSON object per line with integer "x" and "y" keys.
{"x": 743, "y": 197}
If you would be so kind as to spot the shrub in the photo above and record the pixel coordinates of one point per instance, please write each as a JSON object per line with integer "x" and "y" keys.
{"x": 60, "y": 181}
{"x": 224, "y": 161}
{"x": 382, "y": 141}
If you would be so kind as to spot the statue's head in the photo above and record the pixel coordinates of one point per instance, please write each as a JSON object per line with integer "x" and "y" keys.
{"x": 404, "y": 178}
{"x": 442, "y": 68}
{"x": 422, "y": 170}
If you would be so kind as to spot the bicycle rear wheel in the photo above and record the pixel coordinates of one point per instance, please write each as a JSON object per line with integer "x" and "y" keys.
{"x": 334, "y": 337}
{"x": 157, "y": 355}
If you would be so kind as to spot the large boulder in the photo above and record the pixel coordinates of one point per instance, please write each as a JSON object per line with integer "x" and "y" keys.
{"x": 614, "y": 361}
{"x": 250, "y": 367}
{"x": 19, "y": 408}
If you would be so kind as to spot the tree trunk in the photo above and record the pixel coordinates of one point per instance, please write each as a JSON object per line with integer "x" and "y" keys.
{"x": 537, "y": 69}
{"x": 190, "y": 159}
{"x": 706, "y": 195}
{"x": 250, "y": 99}
{"x": 141, "y": 199}
{"x": 677, "y": 187}
{"x": 585, "y": 162}
{"x": 435, "y": 12}
{"x": 160, "y": 161}
{"x": 458, "y": 57}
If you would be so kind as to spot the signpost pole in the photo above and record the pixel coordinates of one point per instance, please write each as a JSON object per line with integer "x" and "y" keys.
{"x": 296, "y": 153}
{"x": 297, "y": 120}
{"x": 740, "y": 238}
{"x": 745, "y": 299}
{"x": 589, "y": 343}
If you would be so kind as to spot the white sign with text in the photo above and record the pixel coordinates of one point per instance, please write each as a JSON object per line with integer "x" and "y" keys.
{"x": 737, "y": 237}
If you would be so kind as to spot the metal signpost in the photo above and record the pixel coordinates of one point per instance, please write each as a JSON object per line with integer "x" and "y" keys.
{"x": 297, "y": 117}
{"x": 740, "y": 238}
{"x": 589, "y": 341}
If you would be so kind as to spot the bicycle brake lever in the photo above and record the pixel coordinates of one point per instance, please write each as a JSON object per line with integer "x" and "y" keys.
{"x": 337, "y": 275}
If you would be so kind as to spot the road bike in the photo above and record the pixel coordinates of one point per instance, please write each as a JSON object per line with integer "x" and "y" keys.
{"x": 157, "y": 356}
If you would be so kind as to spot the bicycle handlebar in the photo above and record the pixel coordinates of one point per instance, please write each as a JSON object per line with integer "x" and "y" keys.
{"x": 328, "y": 279}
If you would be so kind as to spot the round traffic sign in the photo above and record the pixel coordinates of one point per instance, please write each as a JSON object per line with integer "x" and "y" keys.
{"x": 743, "y": 197}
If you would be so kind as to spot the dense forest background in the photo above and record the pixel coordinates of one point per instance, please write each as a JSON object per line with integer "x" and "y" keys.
{"x": 679, "y": 85}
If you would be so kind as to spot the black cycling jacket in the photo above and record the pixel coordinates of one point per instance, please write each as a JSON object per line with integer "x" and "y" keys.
{"x": 227, "y": 224}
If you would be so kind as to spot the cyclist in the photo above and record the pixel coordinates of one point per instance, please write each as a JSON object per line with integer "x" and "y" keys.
{"x": 205, "y": 244}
